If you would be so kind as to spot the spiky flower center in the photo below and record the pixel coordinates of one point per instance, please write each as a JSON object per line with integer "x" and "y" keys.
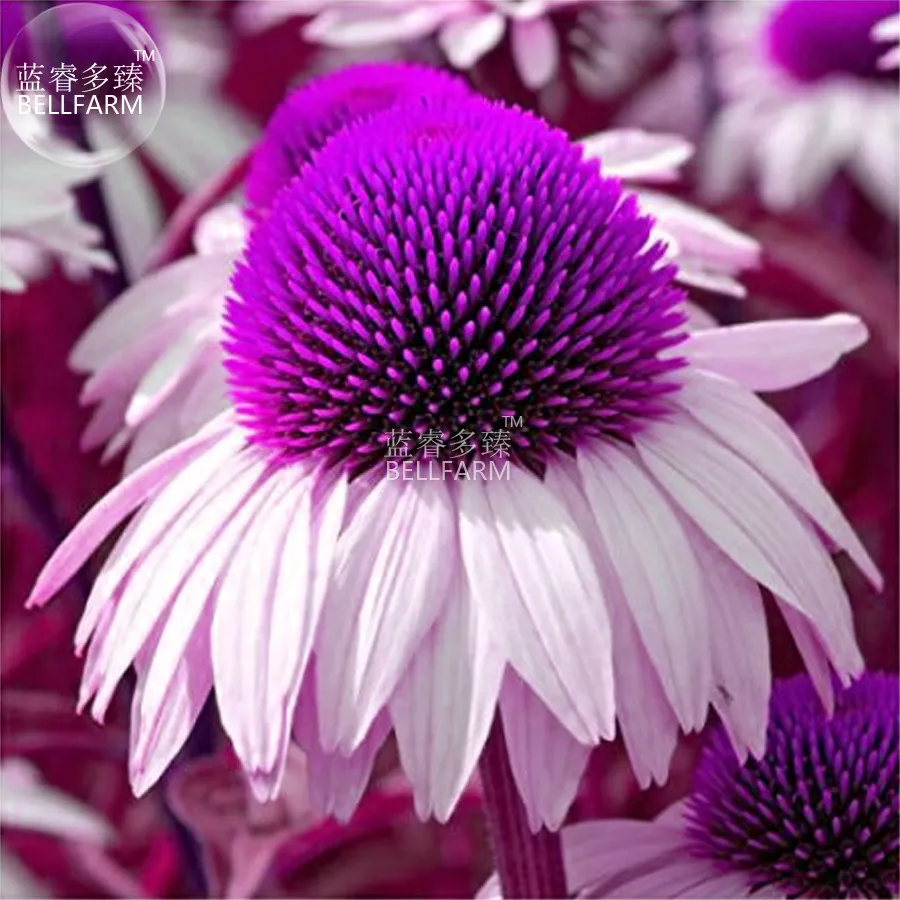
{"x": 817, "y": 816}
{"x": 453, "y": 270}
{"x": 310, "y": 115}
{"x": 816, "y": 39}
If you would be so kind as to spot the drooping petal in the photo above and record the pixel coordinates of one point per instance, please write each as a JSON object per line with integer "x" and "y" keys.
{"x": 638, "y": 155}
{"x": 108, "y": 512}
{"x": 444, "y": 704}
{"x": 467, "y": 38}
{"x": 611, "y": 852}
{"x": 656, "y": 567}
{"x": 648, "y": 724}
{"x": 677, "y": 878}
{"x": 159, "y": 729}
{"x": 535, "y": 50}
{"x": 547, "y": 762}
{"x": 396, "y": 562}
{"x": 744, "y": 515}
{"x": 153, "y": 583}
{"x": 815, "y": 656}
{"x": 336, "y": 781}
{"x": 756, "y": 432}
{"x": 740, "y": 646}
{"x": 528, "y": 566}
{"x": 774, "y": 356}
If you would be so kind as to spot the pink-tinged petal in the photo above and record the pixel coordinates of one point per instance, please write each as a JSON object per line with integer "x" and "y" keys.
{"x": 106, "y": 420}
{"x": 756, "y": 432}
{"x": 744, "y": 515}
{"x": 154, "y": 523}
{"x": 529, "y": 567}
{"x": 729, "y": 884}
{"x": 609, "y": 852}
{"x": 162, "y": 378}
{"x": 698, "y": 318}
{"x": 658, "y": 572}
{"x": 354, "y": 27}
{"x": 535, "y": 50}
{"x": 444, "y": 704}
{"x": 740, "y": 646}
{"x": 336, "y": 781}
{"x": 158, "y": 731}
{"x": 108, "y": 512}
{"x": 152, "y": 585}
{"x": 467, "y": 38}
{"x": 633, "y": 154}
{"x": 677, "y": 878}
{"x": 221, "y": 231}
{"x": 693, "y": 273}
{"x": 815, "y": 656}
{"x": 700, "y": 235}
{"x": 547, "y": 762}
{"x": 490, "y": 890}
{"x": 396, "y": 563}
{"x": 767, "y": 356}
{"x": 648, "y": 724}
{"x": 143, "y": 305}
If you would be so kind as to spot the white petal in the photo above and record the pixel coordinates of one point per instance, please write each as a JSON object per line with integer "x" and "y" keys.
{"x": 535, "y": 49}
{"x": 637, "y": 155}
{"x": 658, "y": 573}
{"x": 396, "y": 563}
{"x": 547, "y": 762}
{"x": 445, "y": 703}
{"x": 528, "y": 566}
{"x": 469, "y": 37}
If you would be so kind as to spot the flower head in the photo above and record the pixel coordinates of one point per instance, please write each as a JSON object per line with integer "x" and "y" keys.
{"x": 272, "y": 559}
{"x": 505, "y": 278}
{"x": 817, "y": 815}
{"x": 803, "y": 99}
{"x": 312, "y": 114}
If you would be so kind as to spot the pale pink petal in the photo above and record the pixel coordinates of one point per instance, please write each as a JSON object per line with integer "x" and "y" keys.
{"x": 698, "y": 318}
{"x": 677, "y": 878}
{"x": 740, "y": 646}
{"x": 467, "y": 38}
{"x": 547, "y": 762}
{"x": 221, "y": 231}
{"x": 153, "y": 583}
{"x": 774, "y": 356}
{"x": 694, "y": 273}
{"x": 728, "y": 884}
{"x": 108, "y": 512}
{"x": 529, "y": 567}
{"x": 444, "y": 704}
{"x": 648, "y": 724}
{"x": 490, "y": 890}
{"x": 286, "y": 553}
{"x": 395, "y": 566}
{"x": 815, "y": 656}
{"x": 155, "y": 522}
{"x": 106, "y": 419}
{"x": 756, "y": 432}
{"x": 158, "y": 731}
{"x": 608, "y": 852}
{"x": 535, "y": 50}
{"x": 632, "y": 154}
{"x": 701, "y": 236}
{"x": 142, "y": 306}
{"x": 658, "y": 573}
{"x": 744, "y": 515}
{"x": 336, "y": 781}
{"x": 164, "y": 375}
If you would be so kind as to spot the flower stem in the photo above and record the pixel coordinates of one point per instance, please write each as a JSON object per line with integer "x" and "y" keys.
{"x": 529, "y": 865}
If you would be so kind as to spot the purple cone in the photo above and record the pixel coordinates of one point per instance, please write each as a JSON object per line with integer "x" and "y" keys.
{"x": 310, "y": 115}
{"x": 441, "y": 267}
{"x": 815, "y": 39}
{"x": 817, "y": 816}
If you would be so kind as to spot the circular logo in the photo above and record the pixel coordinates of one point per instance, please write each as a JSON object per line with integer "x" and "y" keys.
{"x": 83, "y": 84}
